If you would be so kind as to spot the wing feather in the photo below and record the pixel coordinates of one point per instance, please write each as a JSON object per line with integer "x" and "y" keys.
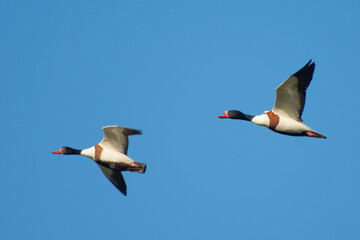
{"x": 115, "y": 178}
{"x": 117, "y": 138}
{"x": 291, "y": 94}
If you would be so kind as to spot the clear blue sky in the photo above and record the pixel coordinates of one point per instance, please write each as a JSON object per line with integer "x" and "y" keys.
{"x": 68, "y": 68}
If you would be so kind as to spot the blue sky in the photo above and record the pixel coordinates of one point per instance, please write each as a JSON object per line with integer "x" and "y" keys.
{"x": 168, "y": 68}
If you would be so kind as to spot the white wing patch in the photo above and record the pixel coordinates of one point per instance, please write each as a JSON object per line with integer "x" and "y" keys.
{"x": 287, "y": 101}
{"x": 116, "y": 138}
{"x": 291, "y": 94}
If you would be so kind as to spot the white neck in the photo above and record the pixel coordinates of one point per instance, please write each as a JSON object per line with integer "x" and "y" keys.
{"x": 261, "y": 120}
{"x": 89, "y": 152}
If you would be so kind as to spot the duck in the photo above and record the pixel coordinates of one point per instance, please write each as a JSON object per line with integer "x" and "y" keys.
{"x": 285, "y": 116}
{"x": 111, "y": 155}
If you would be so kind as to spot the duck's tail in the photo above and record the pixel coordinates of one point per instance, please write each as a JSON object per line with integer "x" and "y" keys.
{"x": 137, "y": 167}
{"x": 315, "y": 135}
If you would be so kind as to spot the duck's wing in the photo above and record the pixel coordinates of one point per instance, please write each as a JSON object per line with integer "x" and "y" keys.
{"x": 117, "y": 138}
{"x": 290, "y": 95}
{"x": 115, "y": 177}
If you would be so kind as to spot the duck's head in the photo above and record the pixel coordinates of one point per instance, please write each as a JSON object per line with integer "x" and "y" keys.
{"x": 67, "y": 151}
{"x": 235, "y": 114}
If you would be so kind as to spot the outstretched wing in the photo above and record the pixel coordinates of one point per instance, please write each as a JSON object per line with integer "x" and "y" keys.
{"x": 116, "y": 138}
{"x": 291, "y": 94}
{"x": 115, "y": 177}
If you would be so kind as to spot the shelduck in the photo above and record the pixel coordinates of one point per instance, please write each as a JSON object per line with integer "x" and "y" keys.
{"x": 285, "y": 117}
{"x": 111, "y": 155}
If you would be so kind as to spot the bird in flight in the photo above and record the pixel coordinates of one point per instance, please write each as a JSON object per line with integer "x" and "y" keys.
{"x": 285, "y": 117}
{"x": 111, "y": 155}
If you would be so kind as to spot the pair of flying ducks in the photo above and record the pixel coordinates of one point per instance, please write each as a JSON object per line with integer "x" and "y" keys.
{"x": 285, "y": 118}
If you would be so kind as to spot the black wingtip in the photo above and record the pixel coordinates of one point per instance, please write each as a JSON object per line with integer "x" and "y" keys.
{"x": 306, "y": 72}
{"x": 310, "y": 63}
{"x": 122, "y": 189}
{"x": 129, "y": 132}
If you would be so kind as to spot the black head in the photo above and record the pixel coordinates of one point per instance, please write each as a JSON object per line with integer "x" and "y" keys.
{"x": 67, "y": 151}
{"x": 235, "y": 114}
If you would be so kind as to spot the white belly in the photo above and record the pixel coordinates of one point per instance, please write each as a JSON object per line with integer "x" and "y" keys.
{"x": 106, "y": 155}
{"x": 291, "y": 126}
{"x": 284, "y": 124}
{"x": 112, "y": 156}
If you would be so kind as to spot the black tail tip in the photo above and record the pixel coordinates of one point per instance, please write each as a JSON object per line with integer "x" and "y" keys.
{"x": 144, "y": 169}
